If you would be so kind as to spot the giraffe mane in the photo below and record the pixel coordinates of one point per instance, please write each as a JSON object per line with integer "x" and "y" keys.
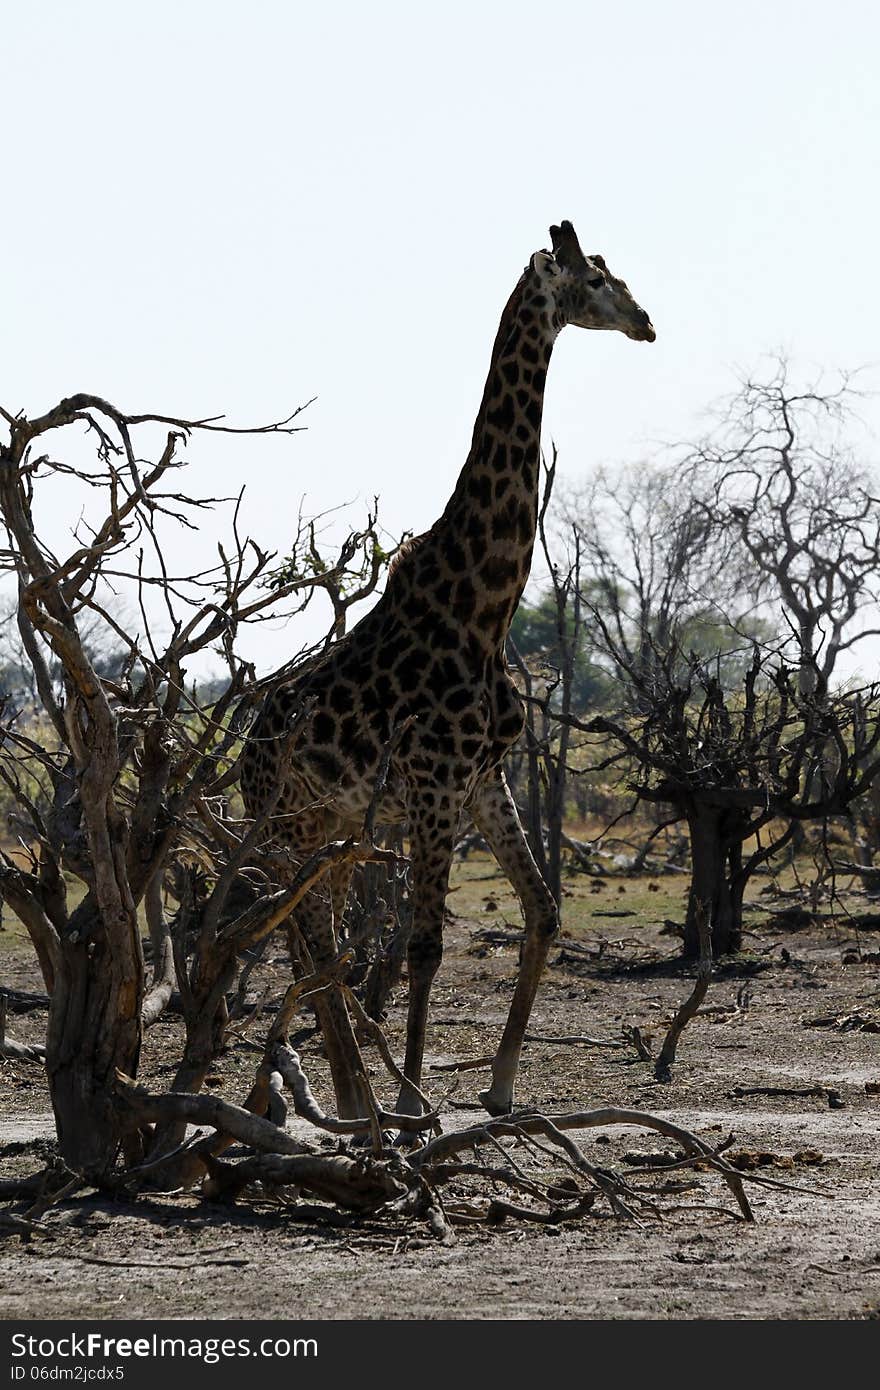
{"x": 508, "y": 314}
{"x": 405, "y": 550}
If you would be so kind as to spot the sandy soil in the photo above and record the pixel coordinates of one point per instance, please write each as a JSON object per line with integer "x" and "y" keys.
{"x": 814, "y": 1256}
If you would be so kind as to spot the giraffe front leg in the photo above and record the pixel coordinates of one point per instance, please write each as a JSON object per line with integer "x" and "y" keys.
{"x": 496, "y": 816}
{"x": 432, "y": 838}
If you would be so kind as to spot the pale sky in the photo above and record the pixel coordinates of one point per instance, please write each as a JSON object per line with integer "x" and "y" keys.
{"x": 213, "y": 207}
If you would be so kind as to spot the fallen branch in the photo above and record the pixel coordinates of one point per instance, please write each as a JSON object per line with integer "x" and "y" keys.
{"x": 21, "y": 1001}
{"x": 571, "y": 1039}
{"x": 499, "y": 1211}
{"x": 358, "y": 1184}
{"x": 306, "y": 1106}
{"x": 471, "y": 1064}
{"x": 22, "y": 1052}
{"x": 555, "y": 1039}
{"x": 496, "y": 936}
{"x": 140, "y": 1107}
{"x": 634, "y": 1035}
{"x": 19, "y": 1225}
{"x": 531, "y": 1123}
{"x": 192, "y": 1266}
{"x": 48, "y": 1199}
{"x": 829, "y": 1093}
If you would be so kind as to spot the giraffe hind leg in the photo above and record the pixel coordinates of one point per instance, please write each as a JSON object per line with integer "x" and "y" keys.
{"x": 496, "y": 817}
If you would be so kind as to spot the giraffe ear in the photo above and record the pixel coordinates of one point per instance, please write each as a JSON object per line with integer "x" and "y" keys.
{"x": 543, "y": 264}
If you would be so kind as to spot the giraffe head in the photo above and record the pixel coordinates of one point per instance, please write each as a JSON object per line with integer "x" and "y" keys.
{"x": 584, "y": 291}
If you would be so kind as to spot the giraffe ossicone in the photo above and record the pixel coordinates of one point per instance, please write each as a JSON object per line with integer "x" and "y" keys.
{"x": 432, "y": 652}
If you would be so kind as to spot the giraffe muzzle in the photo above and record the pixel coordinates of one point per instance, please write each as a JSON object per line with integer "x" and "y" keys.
{"x": 642, "y": 330}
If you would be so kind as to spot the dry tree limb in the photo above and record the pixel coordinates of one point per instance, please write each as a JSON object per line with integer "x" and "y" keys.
{"x": 193, "y": 1143}
{"x": 579, "y": 850}
{"x": 301, "y": 989}
{"x": 471, "y": 1064}
{"x": 611, "y": 1185}
{"x": 507, "y": 1157}
{"x": 362, "y": 1082}
{"x": 192, "y": 1265}
{"x": 22, "y": 1052}
{"x": 496, "y": 936}
{"x": 277, "y": 1106}
{"x": 22, "y": 1001}
{"x": 430, "y": 1208}
{"x": 829, "y": 1093}
{"x": 448, "y": 1172}
{"x": 18, "y": 1225}
{"x": 644, "y": 1163}
{"x": 421, "y": 1200}
{"x": 667, "y": 1189}
{"x": 374, "y": 1031}
{"x": 139, "y": 1107}
{"x": 14, "y": 1189}
{"x": 571, "y": 1039}
{"x": 530, "y": 1123}
{"x": 555, "y": 1040}
{"x": 568, "y": 946}
{"x": 9, "y": 1048}
{"x": 705, "y": 1206}
{"x": 499, "y": 1211}
{"x": 634, "y": 1036}
{"x": 306, "y": 1106}
{"x": 666, "y": 1057}
{"x": 269, "y": 912}
{"x": 463, "y": 1213}
{"x": 358, "y": 1184}
{"x": 49, "y": 1199}
{"x": 397, "y": 734}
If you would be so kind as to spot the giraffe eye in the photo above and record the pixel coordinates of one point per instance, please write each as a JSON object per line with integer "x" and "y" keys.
{"x": 597, "y": 283}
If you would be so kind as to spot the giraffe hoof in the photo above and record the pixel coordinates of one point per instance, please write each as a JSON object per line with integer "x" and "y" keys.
{"x": 409, "y": 1139}
{"x": 496, "y": 1105}
{"x": 365, "y": 1140}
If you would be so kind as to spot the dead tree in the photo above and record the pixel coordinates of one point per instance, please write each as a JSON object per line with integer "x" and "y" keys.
{"x": 780, "y": 482}
{"x": 125, "y": 775}
{"x": 798, "y": 514}
{"x": 657, "y": 572}
{"x": 732, "y": 763}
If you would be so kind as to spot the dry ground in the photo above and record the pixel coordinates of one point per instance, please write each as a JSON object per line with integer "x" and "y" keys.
{"x": 807, "y": 1256}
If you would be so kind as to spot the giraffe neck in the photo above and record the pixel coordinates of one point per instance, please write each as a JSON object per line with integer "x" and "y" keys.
{"x": 485, "y": 537}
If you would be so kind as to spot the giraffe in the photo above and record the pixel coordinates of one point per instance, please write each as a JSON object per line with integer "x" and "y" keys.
{"x": 430, "y": 657}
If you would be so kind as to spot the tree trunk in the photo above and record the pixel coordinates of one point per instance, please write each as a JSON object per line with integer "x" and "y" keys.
{"x": 94, "y": 1029}
{"x": 711, "y": 884}
{"x": 736, "y": 887}
{"x": 205, "y": 1017}
{"x": 556, "y": 771}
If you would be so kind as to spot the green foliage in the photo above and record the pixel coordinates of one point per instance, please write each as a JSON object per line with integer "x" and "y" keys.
{"x": 535, "y": 631}
{"x": 703, "y": 634}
